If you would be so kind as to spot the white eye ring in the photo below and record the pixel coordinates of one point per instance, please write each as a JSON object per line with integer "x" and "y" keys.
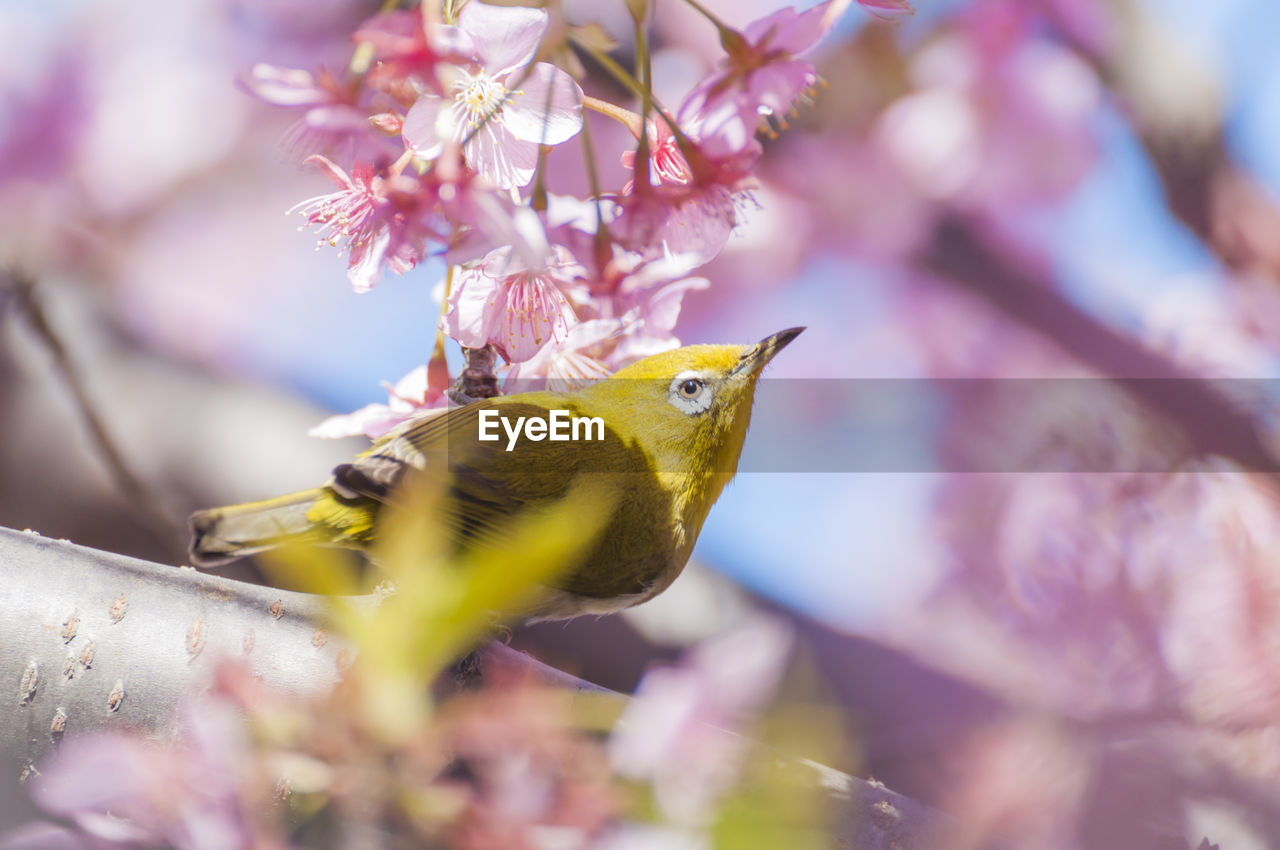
{"x": 689, "y": 393}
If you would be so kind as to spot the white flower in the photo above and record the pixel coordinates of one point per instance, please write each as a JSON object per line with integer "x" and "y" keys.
{"x": 497, "y": 109}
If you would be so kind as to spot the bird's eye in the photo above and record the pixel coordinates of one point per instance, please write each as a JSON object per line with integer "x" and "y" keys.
{"x": 690, "y": 394}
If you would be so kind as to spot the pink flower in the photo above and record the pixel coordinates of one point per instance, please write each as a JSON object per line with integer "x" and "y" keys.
{"x": 678, "y": 730}
{"x": 887, "y": 8}
{"x": 568, "y": 364}
{"x": 1001, "y": 118}
{"x": 406, "y": 45}
{"x": 498, "y": 110}
{"x": 638, "y": 294}
{"x": 693, "y": 220}
{"x": 759, "y": 80}
{"x": 480, "y": 217}
{"x": 377, "y": 216}
{"x": 122, "y": 789}
{"x": 667, "y": 164}
{"x": 691, "y": 203}
{"x": 650, "y": 322}
{"x": 328, "y": 119}
{"x": 516, "y": 306}
{"x": 411, "y": 394}
{"x": 642, "y": 298}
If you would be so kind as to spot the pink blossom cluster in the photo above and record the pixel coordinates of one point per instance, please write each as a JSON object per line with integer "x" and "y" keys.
{"x": 446, "y": 118}
{"x": 506, "y": 766}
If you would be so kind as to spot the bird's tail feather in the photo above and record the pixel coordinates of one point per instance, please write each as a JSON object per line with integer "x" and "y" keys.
{"x": 221, "y": 534}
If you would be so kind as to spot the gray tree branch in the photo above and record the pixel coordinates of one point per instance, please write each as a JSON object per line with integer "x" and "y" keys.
{"x": 94, "y": 640}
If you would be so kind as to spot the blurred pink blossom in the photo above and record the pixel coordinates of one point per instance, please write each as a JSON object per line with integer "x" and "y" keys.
{"x": 760, "y": 79}
{"x": 887, "y": 8}
{"x": 678, "y": 730}
{"x": 406, "y": 47}
{"x": 410, "y": 395}
{"x": 1000, "y": 118}
{"x": 329, "y": 116}
{"x": 530, "y": 780}
{"x": 121, "y": 788}
{"x": 499, "y": 111}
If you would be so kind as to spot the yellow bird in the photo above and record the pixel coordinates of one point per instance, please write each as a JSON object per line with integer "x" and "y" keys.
{"x": 668, "y": 430}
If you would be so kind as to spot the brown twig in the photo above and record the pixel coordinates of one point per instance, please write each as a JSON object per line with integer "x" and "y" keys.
{"x": 1212, "y": 424}
{"x": 1183, "y": 134}
{"x": 19, "y": 289}
{"x": 476, "y": 380}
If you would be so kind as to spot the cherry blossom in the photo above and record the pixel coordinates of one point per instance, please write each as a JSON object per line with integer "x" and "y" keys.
{"x": 691, "y": 203}
{"x": 407, "y": 47}
{"x": 759, "y": 80}
{"x": 571, "y": 363}
{"x": 121, "y": 789}
{"x": 693, "y": 220}
{"x": 667, "y": 164}
{"x": 999, "y": 118}
{"x": 651, "y": 320}
{"x": 677, "y": 731}
{"x": 499, "y": 108}
{"x": 516, "y": 307}
{"x": 411, "y": 395}
{"x": 887, "y": 8}
{"x": 482, "y": 218}
{"x": 377, "y": 216}
{"x": 329, "y": 118}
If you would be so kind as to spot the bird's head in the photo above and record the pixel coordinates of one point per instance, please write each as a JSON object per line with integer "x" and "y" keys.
{"x": 689, "y": 408}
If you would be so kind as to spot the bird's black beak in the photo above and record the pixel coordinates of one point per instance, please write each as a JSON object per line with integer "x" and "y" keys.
{"x": 755, "y": 357}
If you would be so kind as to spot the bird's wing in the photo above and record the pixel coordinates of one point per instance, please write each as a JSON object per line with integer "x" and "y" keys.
{"x": 377, "y": 470}
{"x": 486, "y": 483}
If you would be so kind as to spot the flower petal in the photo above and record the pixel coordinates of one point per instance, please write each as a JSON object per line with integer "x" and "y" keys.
{"x": 785, "y": 30}
{"x": 546, "y": 108}
{"x": 331, "y": 170}
{"x": 500, "y": 158}
{"x": 365, "y": 261}
{"x": 421, "y": 131}
{"x": 505, "y": 37}
{"x": 284, "y": 86}
{"x": 536, "y": 313}
{"x": 728, "y": 129}
{"x": 888, "y": 9}
{"x": 776, "y": 87}
{"x": 472, "y": 299}
{"x": 663, "y": 308}
{"x": 410, "y": 391}
{"x": 372, "y": 420}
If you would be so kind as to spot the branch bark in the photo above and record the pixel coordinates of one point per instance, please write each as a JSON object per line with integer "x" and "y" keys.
{"x": 1211, "y": 422}
{"x": 94, "y": 640}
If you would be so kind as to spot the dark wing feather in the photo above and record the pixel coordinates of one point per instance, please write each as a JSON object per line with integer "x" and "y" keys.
{"x": 488, "y": 486}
